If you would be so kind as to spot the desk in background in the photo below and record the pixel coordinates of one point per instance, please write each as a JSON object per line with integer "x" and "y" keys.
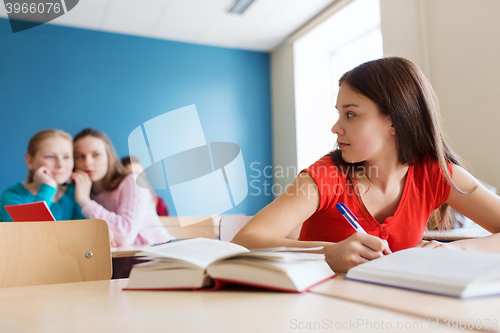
{"x": 455, "y": 234}
{"x": 448, "y": 235}
{"x": 125, "y": 251}
{"x": 123, "y": 259}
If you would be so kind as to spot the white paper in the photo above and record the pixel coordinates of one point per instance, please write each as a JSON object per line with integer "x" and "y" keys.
{"x": 198, "y": 251}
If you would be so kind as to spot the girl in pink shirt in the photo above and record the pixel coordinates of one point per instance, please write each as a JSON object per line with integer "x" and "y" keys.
{"x": 104, "y": 190}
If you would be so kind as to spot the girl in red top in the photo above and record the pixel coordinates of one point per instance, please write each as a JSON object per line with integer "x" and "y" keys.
{"x": 391, "y": 166}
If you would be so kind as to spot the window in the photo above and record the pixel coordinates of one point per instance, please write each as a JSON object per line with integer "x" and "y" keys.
{"x": 347, "y": 39}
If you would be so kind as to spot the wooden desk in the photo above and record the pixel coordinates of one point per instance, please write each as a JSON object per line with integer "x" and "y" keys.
{"x": 427, "y": 306}
{"x": 103, "y": 307}
{"x": 125, "y": 251}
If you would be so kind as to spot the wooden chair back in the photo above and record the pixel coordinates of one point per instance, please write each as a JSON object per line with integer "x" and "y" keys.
{"x": 192, "y": 228}
{"x": 35, "y": 253}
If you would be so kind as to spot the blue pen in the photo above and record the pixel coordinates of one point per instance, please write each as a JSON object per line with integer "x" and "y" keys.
{"x": 353, "y": 220}
{"x": 349, "y": 216}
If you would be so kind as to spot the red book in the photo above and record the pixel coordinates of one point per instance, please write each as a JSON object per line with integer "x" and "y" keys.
{"x": 30, "y": 212}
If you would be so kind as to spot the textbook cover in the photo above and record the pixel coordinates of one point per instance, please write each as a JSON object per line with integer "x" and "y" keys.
{"x": 30, "y": 212}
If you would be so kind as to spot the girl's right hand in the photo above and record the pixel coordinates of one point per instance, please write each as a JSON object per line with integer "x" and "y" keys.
{"x": 355, "y": 250}
{"x": 83, "y": 185}
{"x": 44, "y": 176}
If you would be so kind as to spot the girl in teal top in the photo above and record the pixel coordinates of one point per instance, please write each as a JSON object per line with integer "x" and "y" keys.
{"x": 50, "y": 165}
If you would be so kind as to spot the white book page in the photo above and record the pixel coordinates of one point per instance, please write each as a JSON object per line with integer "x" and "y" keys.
{"x": 280, "y": 256}
{"x": 198, "y": 251}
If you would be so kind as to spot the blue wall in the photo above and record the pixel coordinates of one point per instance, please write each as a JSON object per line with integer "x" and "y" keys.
{"x": 59, "y": 77}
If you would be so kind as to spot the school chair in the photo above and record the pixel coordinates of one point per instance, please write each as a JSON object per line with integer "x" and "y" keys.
{"x": 230, "y": 225}
{"x": 194, "y": 226}
{"x": 216, "y": 220}
{"x": 35, "y": 253}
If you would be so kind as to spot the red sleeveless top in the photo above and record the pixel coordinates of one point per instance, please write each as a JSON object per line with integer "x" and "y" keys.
{"x": 425, "y": 190}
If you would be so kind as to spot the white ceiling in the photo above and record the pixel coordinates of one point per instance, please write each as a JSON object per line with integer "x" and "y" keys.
{"x": 263, "y": 26}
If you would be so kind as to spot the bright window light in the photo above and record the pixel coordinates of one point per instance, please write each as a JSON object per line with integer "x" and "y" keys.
{"x": 347, "y": 39}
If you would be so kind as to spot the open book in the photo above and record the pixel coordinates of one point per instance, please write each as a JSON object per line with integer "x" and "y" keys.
{"x": 202, "y": 263}
{"x": 463, "y": 274}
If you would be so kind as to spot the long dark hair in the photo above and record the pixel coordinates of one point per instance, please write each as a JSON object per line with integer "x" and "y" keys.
{"x": 116, "y": 171}
{"x": 401, "y": 91}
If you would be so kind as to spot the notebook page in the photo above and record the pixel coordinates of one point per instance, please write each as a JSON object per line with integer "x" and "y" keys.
{"x": 198, "y": 251}
{"x": 440, "y": 265}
